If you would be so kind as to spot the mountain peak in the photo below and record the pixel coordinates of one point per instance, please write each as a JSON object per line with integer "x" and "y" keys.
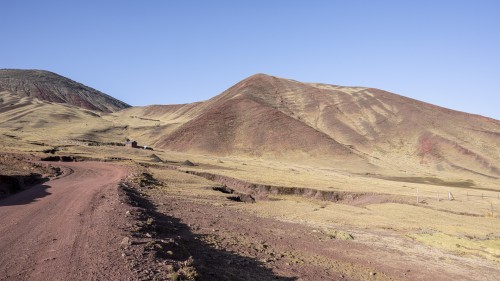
{"x": 52, "y": 87}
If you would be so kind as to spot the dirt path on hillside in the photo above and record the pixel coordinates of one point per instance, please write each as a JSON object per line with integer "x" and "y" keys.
{"x": 65, "y": 229}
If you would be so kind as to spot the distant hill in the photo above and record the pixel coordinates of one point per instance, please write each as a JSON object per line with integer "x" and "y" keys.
{"x": 266, "y": 115}
{"x": 48, "y": 86}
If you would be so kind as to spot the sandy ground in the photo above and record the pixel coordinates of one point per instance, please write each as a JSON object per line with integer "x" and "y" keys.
{"x": 64, "y": 229}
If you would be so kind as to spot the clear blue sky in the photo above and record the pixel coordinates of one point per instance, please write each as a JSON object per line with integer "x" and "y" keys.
{"x": 163, "y": 52}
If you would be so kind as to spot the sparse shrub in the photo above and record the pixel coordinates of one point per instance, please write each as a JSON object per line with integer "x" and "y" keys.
{"x": 337, "y": 234}
{"x": 147, "y": 180}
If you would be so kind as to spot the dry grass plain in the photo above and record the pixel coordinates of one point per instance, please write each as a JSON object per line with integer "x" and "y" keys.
{"x": 461, "y": 226}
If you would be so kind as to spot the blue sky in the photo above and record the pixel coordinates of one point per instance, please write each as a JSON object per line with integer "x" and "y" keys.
{"x": 163, "y": 52}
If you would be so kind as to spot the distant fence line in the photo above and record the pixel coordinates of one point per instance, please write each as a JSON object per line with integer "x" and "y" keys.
{"x": 467, "y": 195}
{"x": 490, "y": 203}
{"x": 482, "y": 196}
{"x": 457, "y": 195}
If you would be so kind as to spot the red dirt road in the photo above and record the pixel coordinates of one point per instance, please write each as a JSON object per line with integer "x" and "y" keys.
{"x": 65, "y": 229}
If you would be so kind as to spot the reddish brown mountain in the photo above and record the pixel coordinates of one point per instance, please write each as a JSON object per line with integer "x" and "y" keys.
{"x": 48, "y": 86}
{"x": 271, "y": 116}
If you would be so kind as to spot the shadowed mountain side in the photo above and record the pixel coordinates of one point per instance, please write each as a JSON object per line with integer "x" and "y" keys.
{"x": 244, "y": 125}
{"x": 48, "y": 86}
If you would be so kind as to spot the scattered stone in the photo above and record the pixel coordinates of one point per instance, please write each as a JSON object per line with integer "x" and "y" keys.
{"x": 247, "y": 198}
{"x": 126, "y": 241}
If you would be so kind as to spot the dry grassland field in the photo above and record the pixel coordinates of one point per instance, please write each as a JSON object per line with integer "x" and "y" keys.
{"x": 298, "y": 188}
